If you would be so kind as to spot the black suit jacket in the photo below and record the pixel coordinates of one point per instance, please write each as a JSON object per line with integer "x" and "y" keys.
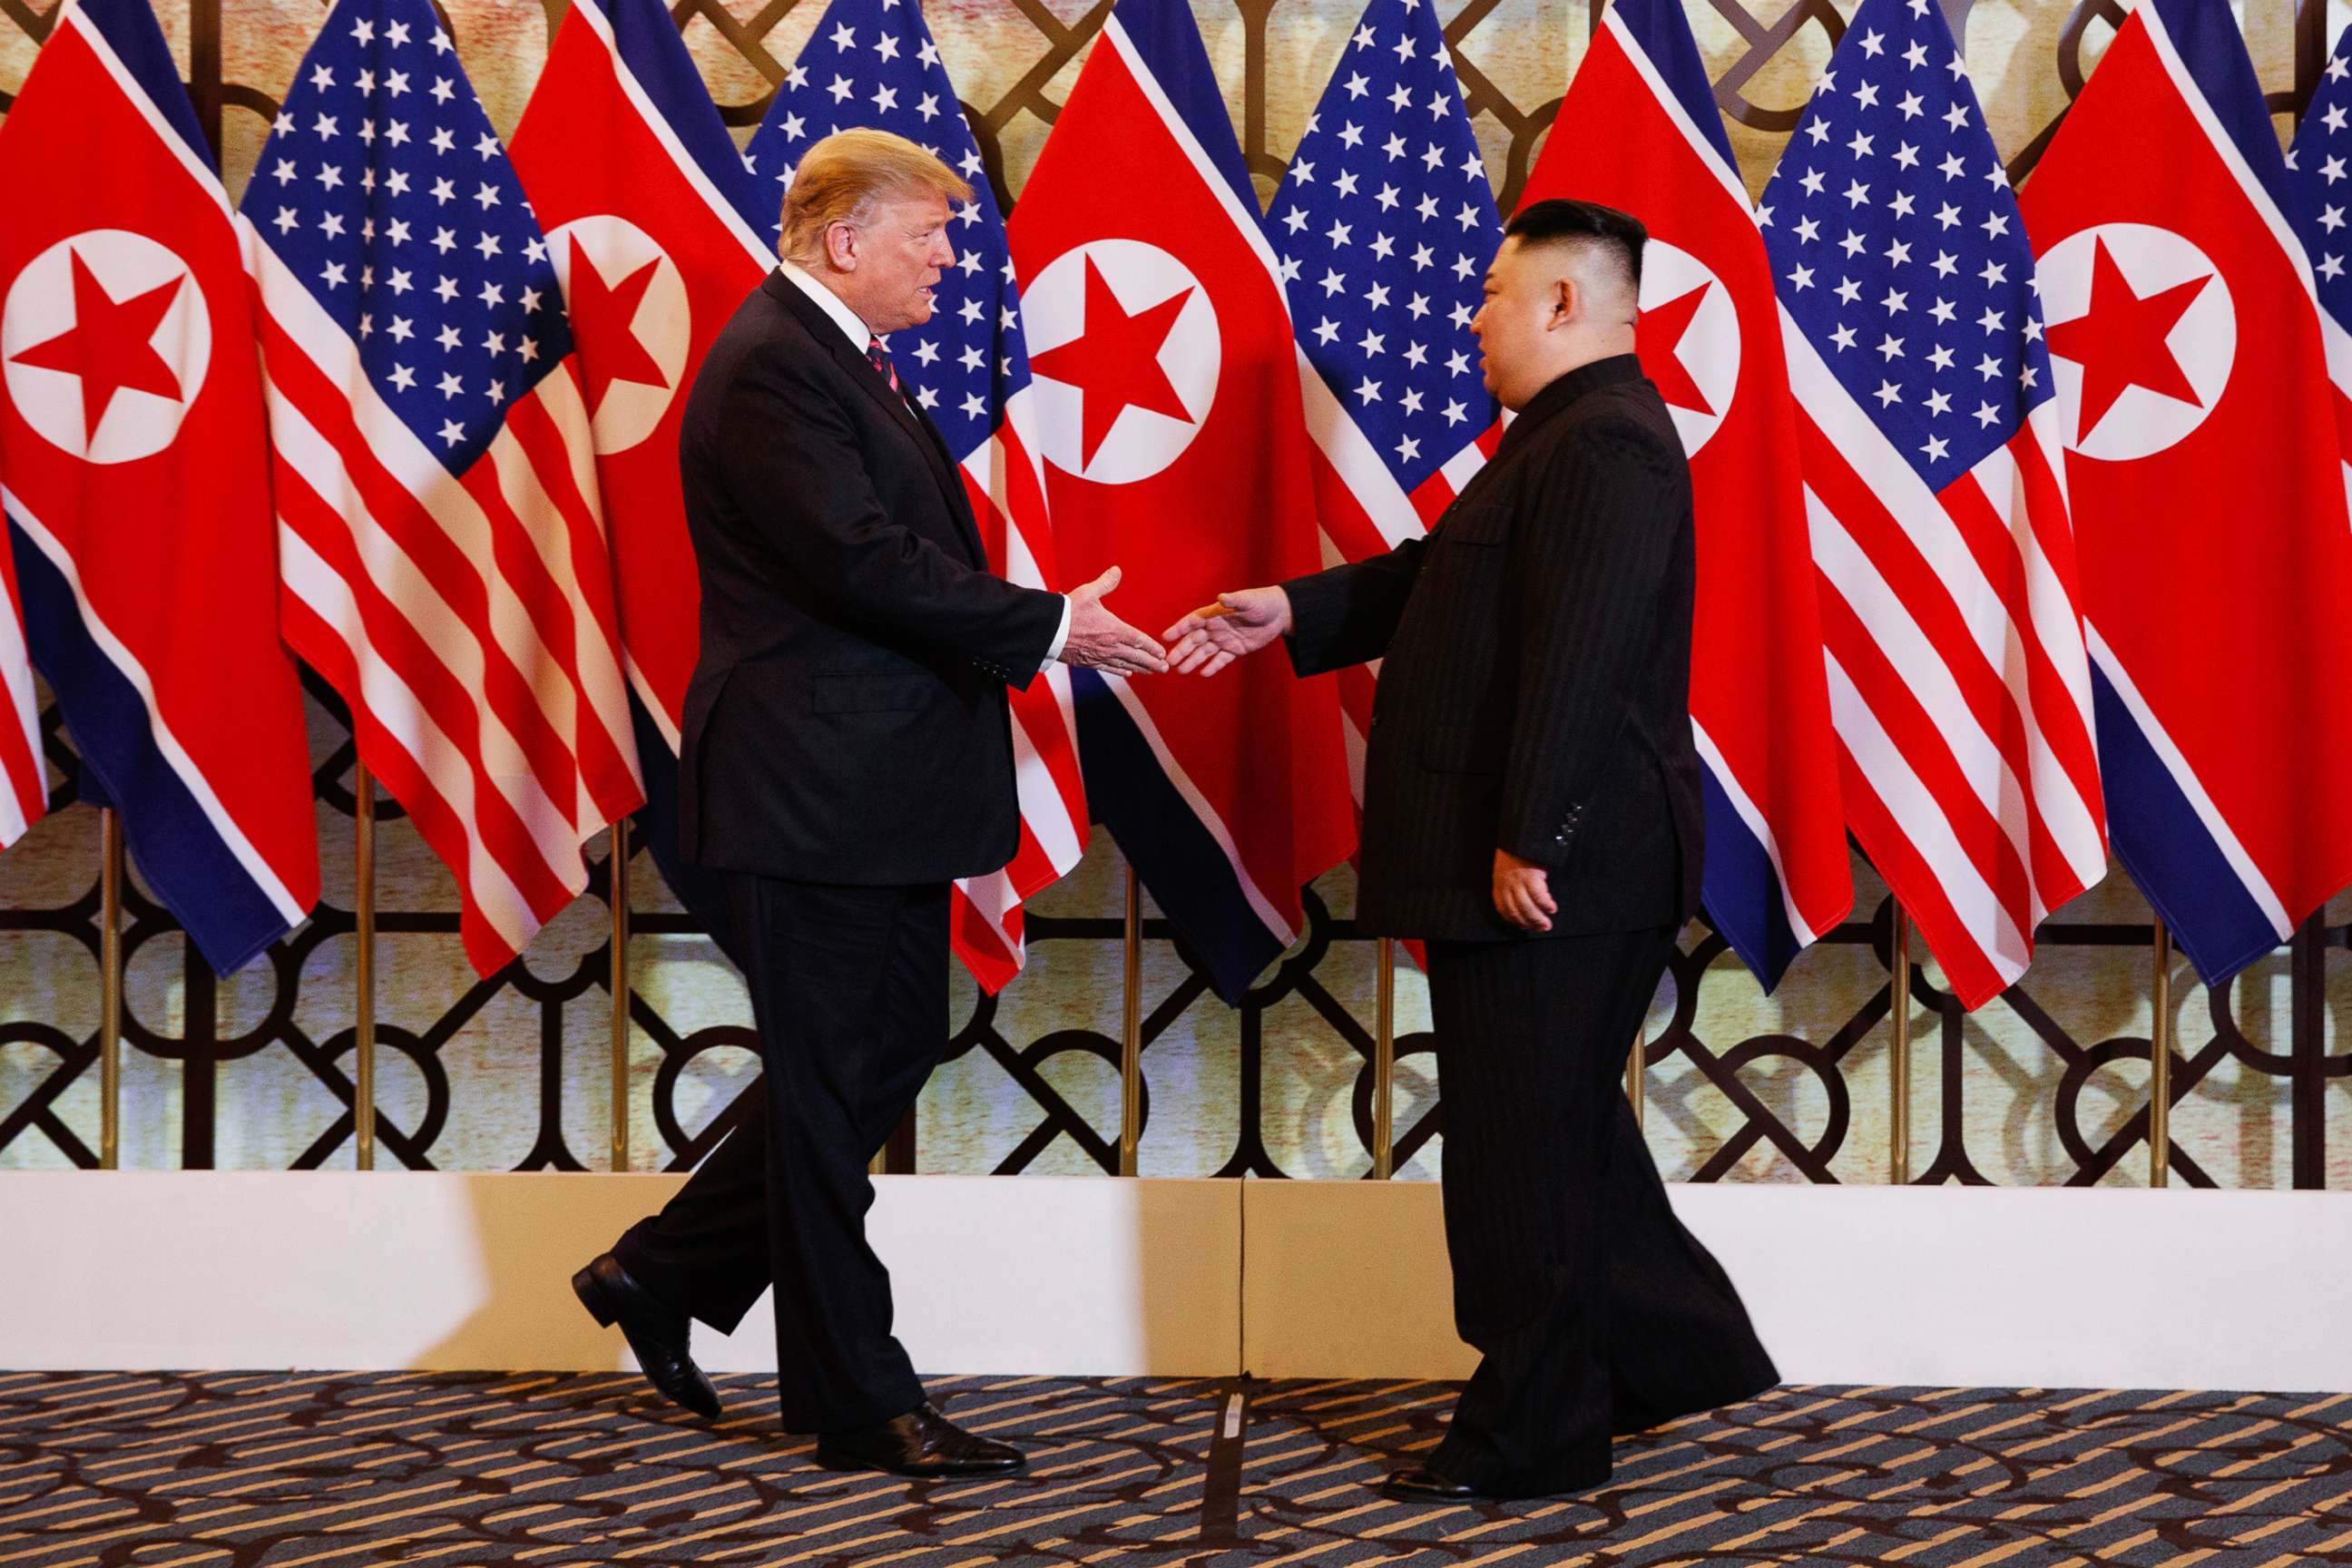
{"x": 1535, "y": 693}
{"x": 847, "y": 720}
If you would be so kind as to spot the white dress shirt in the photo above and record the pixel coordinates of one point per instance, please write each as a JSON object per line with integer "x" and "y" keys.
{"x": 855, "y": 329}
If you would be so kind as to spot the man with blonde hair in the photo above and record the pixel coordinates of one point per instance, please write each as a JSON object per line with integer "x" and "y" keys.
{"x": 847, "y": 754}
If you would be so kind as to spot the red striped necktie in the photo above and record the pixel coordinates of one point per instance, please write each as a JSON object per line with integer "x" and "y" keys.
{"x": 879, "y": 358}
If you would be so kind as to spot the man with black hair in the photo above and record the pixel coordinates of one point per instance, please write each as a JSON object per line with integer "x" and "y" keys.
{"x": 1532, "y": 811}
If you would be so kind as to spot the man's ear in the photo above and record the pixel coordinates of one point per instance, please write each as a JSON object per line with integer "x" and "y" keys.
{"x": 841, "y": 247}
{"x": 1567, "y": 303}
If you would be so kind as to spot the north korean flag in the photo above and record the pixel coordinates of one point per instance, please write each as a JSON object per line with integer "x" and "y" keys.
{"x": 134, "y": 446}
{"x": 1176, "y": 447}
{"x": 2201, "y": 455}
{"x": 647, "y": 209}
{"x": 1639, "y": 130}
{"x": 652, "y": 222}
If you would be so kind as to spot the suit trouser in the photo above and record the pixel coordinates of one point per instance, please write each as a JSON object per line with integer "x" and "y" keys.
{"x": 1595, "y": 1309}
{"x": 849, "y": 991}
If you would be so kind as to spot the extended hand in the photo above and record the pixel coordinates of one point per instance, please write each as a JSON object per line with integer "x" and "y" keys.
{"x": 1523, "y": 892}
{"x": 1100, "y": 641}
{"x": 1214, "y": 635}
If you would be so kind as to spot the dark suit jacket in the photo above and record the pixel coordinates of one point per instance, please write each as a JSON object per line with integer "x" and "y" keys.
{"x": 1535, "y": 693}
{"x": 847, "y": 720}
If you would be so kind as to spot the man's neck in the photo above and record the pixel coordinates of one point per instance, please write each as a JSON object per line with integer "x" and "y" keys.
{"x": 830, "y": 281}
{"x": 1616, "y": 341}
{"x": 1592, "y": 351}
{"x": 818, "y": 283}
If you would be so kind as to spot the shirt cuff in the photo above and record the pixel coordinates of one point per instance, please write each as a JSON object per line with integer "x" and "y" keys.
{"x": 1060, "y": 637}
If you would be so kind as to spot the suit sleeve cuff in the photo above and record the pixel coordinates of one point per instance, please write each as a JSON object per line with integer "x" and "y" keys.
{"x": 1548, "y": 842}
{"x": 1061, "y": 635}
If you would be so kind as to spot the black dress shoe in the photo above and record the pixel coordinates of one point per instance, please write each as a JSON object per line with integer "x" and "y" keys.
{"x": 922, "y": 1443}
{"x": 656, "y": 1331}
{"x": 1418, "y": 1483}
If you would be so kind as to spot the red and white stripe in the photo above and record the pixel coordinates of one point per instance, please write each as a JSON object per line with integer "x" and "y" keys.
{"x": 23, "y": 780}
{"x": 1958, "y": 678}
{"x": 1007, "y": 488}
{"x": 469, "y": 621}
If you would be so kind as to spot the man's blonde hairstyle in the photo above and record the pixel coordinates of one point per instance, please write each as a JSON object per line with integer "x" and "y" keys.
{"x": 841, "y": 177}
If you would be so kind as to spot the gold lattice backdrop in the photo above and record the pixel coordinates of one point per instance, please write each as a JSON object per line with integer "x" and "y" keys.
{"x": 2047, "y": 1084}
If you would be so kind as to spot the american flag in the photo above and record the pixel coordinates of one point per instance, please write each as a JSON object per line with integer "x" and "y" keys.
{"x": 1958, "y": 677}
{"x": 873, "y": 63}
{"x": 1385, "y": 223}
{"x": 2319, "y": 175}
{"x": 443, "y": 558}
{"x": 23, "y": 777}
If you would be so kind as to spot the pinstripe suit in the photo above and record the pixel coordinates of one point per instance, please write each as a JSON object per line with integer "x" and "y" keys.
{"x": 1534, "y": 697}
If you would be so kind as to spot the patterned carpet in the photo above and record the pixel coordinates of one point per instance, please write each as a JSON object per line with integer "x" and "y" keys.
{"x": 244, "y": 1470}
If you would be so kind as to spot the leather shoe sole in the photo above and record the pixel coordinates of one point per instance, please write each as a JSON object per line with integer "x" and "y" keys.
{"x": 1419, "y": 1484}
{"x": 921, "y": 1444}
{"x": 919, "y": 1469}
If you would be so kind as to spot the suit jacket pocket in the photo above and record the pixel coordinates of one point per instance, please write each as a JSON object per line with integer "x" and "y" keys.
{"x": 1477, "y": 523}
{"x": 881, "y": 693}
{"x": 1477, "y": 748}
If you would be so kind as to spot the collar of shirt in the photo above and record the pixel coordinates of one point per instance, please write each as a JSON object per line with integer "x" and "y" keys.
{"x": 1563, "y": 390}
{"x": 831, "y": 303}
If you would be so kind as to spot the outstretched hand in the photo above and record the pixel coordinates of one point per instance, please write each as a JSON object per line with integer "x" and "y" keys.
{"x": 1100, "y": 641}
{"x": 1214, "y": 635}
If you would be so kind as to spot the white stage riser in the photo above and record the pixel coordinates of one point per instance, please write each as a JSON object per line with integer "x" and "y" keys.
{"x": 1927, "y": 1286}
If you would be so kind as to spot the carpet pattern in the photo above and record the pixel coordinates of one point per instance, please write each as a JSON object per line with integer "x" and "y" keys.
{"x": 276, "y": 1470}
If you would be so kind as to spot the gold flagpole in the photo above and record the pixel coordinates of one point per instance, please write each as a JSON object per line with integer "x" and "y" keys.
{"x": 1130, "y": 1056}
{"x": 2159, "y": 1056}
{"x": 109, "y": 989}
{"x": 1384, "y": 1066}
{"x": 1635, "y": 1060}
{"x": 620, "y": 988}
{"x": 1898, "y": 1065}
{"x": 363, "y": 964}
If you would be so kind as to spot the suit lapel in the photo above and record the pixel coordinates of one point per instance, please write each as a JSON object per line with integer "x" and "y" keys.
{"x": 959, "y": 499}
{"x": 922, "y": 432}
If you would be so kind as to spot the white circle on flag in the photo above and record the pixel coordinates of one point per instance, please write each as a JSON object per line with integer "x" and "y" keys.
{"x": 1142, "y": 278}
{"x": 1708, "y": 351}
{"x": 633, "y": 326}
{"x": 2131, "y": 420}
{"x": 140, "y": 386}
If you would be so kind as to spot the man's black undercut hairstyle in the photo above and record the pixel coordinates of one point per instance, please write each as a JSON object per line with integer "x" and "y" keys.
{"x": 1618, "y": 235}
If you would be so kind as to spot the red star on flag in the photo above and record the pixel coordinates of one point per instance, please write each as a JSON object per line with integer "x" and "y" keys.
{"x": 1657, "y": 333}
{"x": 1116, "y": 364}
{"x": 601, "y": 314}
{"x": 108, "y": 346}
{"x": 2119, "y": 341}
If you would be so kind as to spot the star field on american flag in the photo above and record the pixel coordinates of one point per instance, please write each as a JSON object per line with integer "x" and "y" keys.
{"x": 1385, "y": 223}
{"x": 2319, "y": 171}
{"x": 873, "y": 63}
{"x": 384, "y": 190}
{"x": 1896, "y": 244}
